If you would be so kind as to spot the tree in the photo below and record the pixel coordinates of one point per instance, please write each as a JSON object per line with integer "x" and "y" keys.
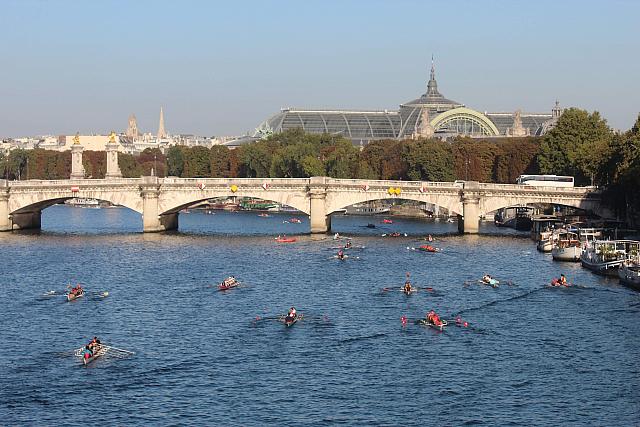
{"x": 128, "y": 166}
{"x": 515, "y": 157}
{"x": 175, "y": 161}
{"x": 576, "y": 146}
{"x": 220, "y": 161}
{"x": 18, "y": 164}
{"x": 386, "y": 159}
{"x": 429, "y": 160}
{"x": 196, "y": 162}
{"x": 257, "y": 158}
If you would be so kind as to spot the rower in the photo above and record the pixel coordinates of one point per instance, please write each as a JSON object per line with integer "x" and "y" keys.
{"x": 563, "y": 280}
{"x": 340, "y": 254}
{"x": 429, "y": 238}
{"x": 348, "y": 245}
{"x": 407, "y": 287}
{"x": 292, "y": 314}
{"x": 486, "y": 278}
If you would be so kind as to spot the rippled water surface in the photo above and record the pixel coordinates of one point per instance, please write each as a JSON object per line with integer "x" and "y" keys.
{"x": 531, "y": 356}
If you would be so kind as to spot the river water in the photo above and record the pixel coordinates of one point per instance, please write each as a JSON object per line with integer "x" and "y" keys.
{"x": 531, "y": 355}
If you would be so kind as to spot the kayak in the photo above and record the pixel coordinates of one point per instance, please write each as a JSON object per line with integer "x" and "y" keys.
{"x": 286, "y": 239}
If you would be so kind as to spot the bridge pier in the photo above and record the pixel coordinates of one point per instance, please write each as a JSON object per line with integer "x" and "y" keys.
{"x": 5, "y": 221}
{"x": 470, "y": 208}
{"x": 320, "y": 221}
{"x": 152, "y": 221}
{"x": 26, "y": 220}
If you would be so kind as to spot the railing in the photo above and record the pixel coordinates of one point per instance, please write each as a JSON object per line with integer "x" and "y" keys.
{"x": 73, "y": 182}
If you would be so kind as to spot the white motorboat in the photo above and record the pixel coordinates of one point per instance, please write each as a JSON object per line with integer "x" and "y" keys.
{"x": 567, "y": 247}
{"x": 606, "y": 256}
{"x": 546, "y": 241}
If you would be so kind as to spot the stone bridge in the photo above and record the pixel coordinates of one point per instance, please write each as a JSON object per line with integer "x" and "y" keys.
{"x": 159, "y": 200}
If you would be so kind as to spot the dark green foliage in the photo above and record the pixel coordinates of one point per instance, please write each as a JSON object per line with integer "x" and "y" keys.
{"x": 577, "y": 146}
{"x": 175, "y": 160}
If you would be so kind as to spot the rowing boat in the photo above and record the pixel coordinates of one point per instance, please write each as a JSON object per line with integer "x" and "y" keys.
{"x": 285, "y": 239}
{"x": 226, "y": 286}
{"x": 289, "y": 321}
{"x": 491, "y": 282}
{"x": 427, "y": 248}
{"x": 74, "y": 296}
{"x": 426, "y": 322}
{"x": 558, "y": 284}
{"x": 103, "y": 350}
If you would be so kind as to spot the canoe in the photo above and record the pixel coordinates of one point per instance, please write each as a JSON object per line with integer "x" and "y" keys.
{"x": 286, "y": 239}
{"x": 71, "y": 297}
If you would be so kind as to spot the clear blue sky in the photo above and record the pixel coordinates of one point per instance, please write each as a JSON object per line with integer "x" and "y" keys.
{"x": 220, "y": 68}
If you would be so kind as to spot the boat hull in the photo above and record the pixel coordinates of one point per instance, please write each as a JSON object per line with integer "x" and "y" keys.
{"x": 544, "y": 245}
{"x": 567, "y": 254}
{"x": 73, "y": 297}
{"x": 630, "y": 276}
{"x": 603, "y": 268}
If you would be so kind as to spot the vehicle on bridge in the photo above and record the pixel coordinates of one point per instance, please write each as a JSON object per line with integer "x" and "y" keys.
{"x": 546, "y": 180}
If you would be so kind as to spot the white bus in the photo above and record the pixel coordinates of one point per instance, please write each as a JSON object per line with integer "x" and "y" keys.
{"x": 545, "y": 180}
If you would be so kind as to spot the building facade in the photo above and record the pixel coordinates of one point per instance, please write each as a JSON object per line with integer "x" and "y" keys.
{"x": 430, "y": 115}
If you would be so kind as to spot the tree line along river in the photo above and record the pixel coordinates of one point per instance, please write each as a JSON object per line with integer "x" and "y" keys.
{"x": 532, "y": 355}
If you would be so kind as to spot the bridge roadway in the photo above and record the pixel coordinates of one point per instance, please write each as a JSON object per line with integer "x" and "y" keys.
{"x": 159, "y": 200}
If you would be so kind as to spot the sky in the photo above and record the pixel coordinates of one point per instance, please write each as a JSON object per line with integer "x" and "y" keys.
{"x": 223, "y": 67}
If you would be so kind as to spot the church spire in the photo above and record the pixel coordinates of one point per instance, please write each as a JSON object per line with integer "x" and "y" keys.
{"x": 432, "y": 86}
{"x": 161, "y": 132}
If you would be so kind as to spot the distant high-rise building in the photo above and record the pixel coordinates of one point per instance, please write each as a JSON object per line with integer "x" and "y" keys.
{"x": 162, "y": 133}
{"x": 132, "y": 130}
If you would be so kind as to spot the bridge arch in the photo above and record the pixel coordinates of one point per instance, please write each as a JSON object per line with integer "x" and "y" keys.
{"x": 491, "y": 204}
{"x": 336, "y": 202}
{"x": 173, "y": 203}
{"x": 36, "y": 202}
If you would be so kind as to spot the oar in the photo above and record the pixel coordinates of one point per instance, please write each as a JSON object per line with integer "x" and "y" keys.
{"x": 118, "y": 350}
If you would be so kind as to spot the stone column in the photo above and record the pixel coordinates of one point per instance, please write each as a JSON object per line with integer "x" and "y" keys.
{"x": 5, "y": 222}
{"x": 152, "y": 221}
{"x": 77, "y": 169}
{"x": 471, "y": 207}
{"x": 320, "y": 221}
{"x": 113, "y": 169}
